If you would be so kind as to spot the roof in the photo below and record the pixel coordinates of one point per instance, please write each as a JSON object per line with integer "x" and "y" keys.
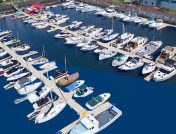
{"x": 38, "y": 5}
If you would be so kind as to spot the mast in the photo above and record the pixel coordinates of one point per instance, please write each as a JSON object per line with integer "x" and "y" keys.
{"x": 65, "y": 63}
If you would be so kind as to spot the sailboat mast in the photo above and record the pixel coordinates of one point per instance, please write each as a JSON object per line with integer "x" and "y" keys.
{"x": 65, "y": 62}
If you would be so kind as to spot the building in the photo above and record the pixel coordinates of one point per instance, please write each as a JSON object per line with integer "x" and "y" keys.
{"x": 149, "y": 2}
{"x": 168, "y": 4}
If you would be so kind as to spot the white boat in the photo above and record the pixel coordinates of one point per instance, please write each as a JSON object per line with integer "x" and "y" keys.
{"x": 13, "y": 71}
{"x": 110, "y": 37}
{"x": 80, "y": 6}
{"x": 132, "y": 64}
{"x": 166, "y": 71}
{"x": 83, "y": 43}
{"x": 124, "y": 39}
{"x": 51, "y": 113}
{"x": 74, "y": 24}
{"x": 66, "y": 35}
{"x": 88, "y": 8}
{"x": 9, "y": 85}
{"x": 89, "y": 47}
{"x": 34, "y": 96}
{"x": 99, "y": 50}
{"x": 156, "y": 24}
{"x": 97, "y": 101}
{"x": 40, "y": 61}
{"x": 106, "y": 54}
{"x": 119, "y": 59}
{"x": 3, "y": 53}
{"x": 23, "y": 47}
{"x": 24, "y": 81}
{"x": 73, "y": 40}
{"x": 91, "y": 124}
{"x": 48, "y": 65}
{"x": 136, "y": 44}
{"x": 17, "y": 76}
{"x": 93, "y": 32}
{"x": 83, "y": 91}
{"x": 29, "y": 88}
{"x": 150, "y": 48}
{"x": 148, "y": 68}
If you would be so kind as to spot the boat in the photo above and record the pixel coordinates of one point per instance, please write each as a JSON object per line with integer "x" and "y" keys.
{"x": 156, "y": 24}
{"x": 75, "y": 85}
{"x": 149, "y": 68}
{"x": 13, "y": 63}
{"x": 97, "y": 101}
{"x": 3, "y": 53}
{"x": 9, "y": 85}
{"x": 5, "y": 57}
{"x": 89, "y": 47}
{"x": 166, "y": 53}
{"x": 34, "y": 96}
{"x": 17, "y": 76}
{"x": 34, "y": 57}
{"x": 83, "y": 91}
{"x": 48, "y": 65}
{"x": 68, "y": 79}
{"x": 52, "y": 112}
{"x": 110, "y": 37}
{"x": 13, "y": 71}
{"x": 166, "y": 71}
{"x": 92, "y": 124}
{"x": 123, "y": 40}
{"x": 149, "y": 48}
{"x": 6, "y": 62}
{"x": 74, "y": 25}
{"x": 119, "y": 59}
{"x": 21, "y": 47}
{"x": 132, "y": 64}
{"x": 24, "y": 81}
{"x": 106, "y": 54}
{"x": 29, "y": 88}
{"x": 40, "y": 61}
{"x": 136, "y": 44}
{"x": 99, "y": 49}
{"x": 83, "y": 43}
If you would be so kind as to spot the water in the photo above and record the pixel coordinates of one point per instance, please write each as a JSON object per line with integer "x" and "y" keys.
{"x": 148, "y": 107}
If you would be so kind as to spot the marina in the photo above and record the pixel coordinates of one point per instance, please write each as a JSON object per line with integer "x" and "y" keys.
{"x": 63, "y": 79}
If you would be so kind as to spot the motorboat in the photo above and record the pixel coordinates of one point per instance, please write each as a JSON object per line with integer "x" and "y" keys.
{"x": 29, "y": 88}
{"x": 166, "y": 71}
{"x": 83, "y": 91}
{"x": 10, "y": 65}
{"x": 74, "y": 25}
{"x": 80, "y": 6}
{"x": 46, "y": 115}
{"x": 73, "y": 40}
{"x": 88, "y": 8}
{"x": 22, "y": 47}
{"x": 17, "y": 76}
{"x": 136, "y": 44}
{"x": 34, "y": 57}
{"x": 124, "y": 39}
{"x": 13, "y": 71}
{"x": 24, "y": 81}
{"x": 9, "y": 85}
{"x": 48, "y": 65}
{"x": 68, "y": 79}
{"x": 93, "y": 32}
{"x": 119, "y": 59}
{"x": 65, "y": 35}
{"x": 5, "y": 57}
{"x": 99, "y": 49}
{"x": 166, "y": 53}
{"x": 91, "y": 124}
{"x": 156, "y": 24}
{"x": 106, "y": 54}
{"x": 97, "y": 101}
{"x": 132, "y": 64}
{"x": 149, "y": 68}
{"x": 149, "y": 48}
{"x": 3, "y": 53}
{"x": 75, "y": 85}
{"x": 83, "y": 43}
{"x": 89, "y": 47}
{"x": 34, "y": 96}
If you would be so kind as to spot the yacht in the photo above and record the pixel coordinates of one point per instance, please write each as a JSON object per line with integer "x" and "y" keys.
{"x": 75, "y": 85}
{"x": 10, "y": 65}
{"x": 166, "y": 53}
{"x": 74, "y": 25}
{"x": 40, "y": 61}
{"x": 97, "y": 101}
{"x": 166, "y": 71}
{"x": 9, "y": 85}
{"x": 88, "y": 8}
{"x": 124, "y": 39}
{"x": 99, "y": 49}
{"x": 46, "y": 115}
{"x": 80, "y": 6}
{"x": 24, "y": 81}
{"x": 48, "y": 65}
{"x": 59, "y": 74}
{"x": 83, "y": 91}
{"x": 13, "y": 71}
{"x": 136, "y": 44}
{"x": 17, "y": 76}
{"x": 34, "y": 57}
{"x": 34, "y": 96}
{"x": 110, "y": 37}
{"x": 149, "y": 68}
{"x": 119, "y": 59}
{"x": 150, "y": 48}
{"x": 5, "y": 57}
{"x": 92, "y": 124}
{"x": 89, "y": 47}
{"x": 29, "y": 88}
{"x": 156, "y": 24}
{"x": 106, "y": 54}
{"x": 134, "y": 63}
{"x": 83, "y": 43}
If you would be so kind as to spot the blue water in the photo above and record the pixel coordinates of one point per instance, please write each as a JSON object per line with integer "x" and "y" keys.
{"x": 148, "y": 107}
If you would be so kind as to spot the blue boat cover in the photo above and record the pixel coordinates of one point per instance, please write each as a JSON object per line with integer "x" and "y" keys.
{"x": 72, "y": 86}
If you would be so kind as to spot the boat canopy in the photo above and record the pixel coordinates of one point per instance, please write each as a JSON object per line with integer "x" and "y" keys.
{"x": 72, "y": 86}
